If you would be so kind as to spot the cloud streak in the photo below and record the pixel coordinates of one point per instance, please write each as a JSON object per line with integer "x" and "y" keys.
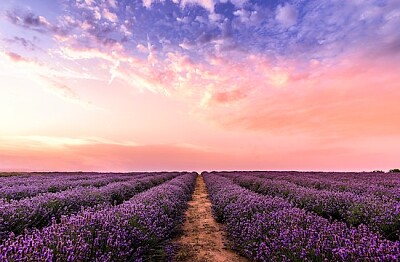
{"x": 18, "y": 65}
{"x": 86, "y": 154}
{"x": 27, "y": 44}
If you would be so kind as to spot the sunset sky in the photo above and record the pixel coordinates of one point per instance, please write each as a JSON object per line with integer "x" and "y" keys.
{"x": 124, "y": 85}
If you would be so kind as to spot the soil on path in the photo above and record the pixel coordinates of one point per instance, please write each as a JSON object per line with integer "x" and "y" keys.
{"x": 203, "y": 239}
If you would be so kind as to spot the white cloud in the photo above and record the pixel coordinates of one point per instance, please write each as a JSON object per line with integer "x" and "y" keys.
{"x": 89, "y": 2}
{"x": 147, "y": 3}
{"x": 97, "y": 14}
{"x": 238, "y": 3}
{"x": 201, "y": 19}
{"x": 243, "y": 14}
{"x": 207, "y": 4}
{"x": 186, "y": 45}
{"x": 112, "y": 3}
{"x": 213, "y": 17}
{"x": 125, "y": 30}
{"x": 110, "y": 15}
{"x": 286, "y": 15}
{"x": 141, "y": 48}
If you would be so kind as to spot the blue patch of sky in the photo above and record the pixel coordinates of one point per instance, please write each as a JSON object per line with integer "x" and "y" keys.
{"x": 320, "y": 26}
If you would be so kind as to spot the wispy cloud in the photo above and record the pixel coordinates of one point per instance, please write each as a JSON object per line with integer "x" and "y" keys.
{"x": 27, "y": 44}
{"x": 16, "y": 57}
{"x": 34, "y": 22}
{"x": 58, "y": 141}
{"x": 15, "y": 64}
{"x": 66, "y": 92}
{"x": 98, "y": 154}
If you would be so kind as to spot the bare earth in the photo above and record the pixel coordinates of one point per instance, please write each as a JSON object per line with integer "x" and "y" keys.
{"x": 203, "y": 238}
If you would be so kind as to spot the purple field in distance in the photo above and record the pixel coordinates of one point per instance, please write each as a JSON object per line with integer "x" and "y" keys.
{"x": 268, "y": 216}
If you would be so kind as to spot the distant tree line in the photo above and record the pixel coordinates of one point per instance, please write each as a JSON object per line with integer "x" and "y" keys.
{"x": 396, "y": 170}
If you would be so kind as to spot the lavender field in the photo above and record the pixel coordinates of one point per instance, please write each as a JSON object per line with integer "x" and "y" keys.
{"x": 99, "y": 217}
{"x": 266, "y": 216}
{"x": 294, "y": 216}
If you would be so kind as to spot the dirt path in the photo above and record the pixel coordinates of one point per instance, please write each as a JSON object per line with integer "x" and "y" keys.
{"x": 202, "y": 239}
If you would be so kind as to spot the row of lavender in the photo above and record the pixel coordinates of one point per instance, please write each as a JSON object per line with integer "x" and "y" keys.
{"x": 24, "y": 186}
{"x": 379, "y": 213}
{"x": 379, "y": 184}
{"x": 19, "y": 179}
{"x": 127, "y": 232}
{"x": 267, "y": 228}
{"x": 37, "y": 212}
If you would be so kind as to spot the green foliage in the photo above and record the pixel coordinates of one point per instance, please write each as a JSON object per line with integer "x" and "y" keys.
{"x": 356, "y": 215}
{"x": 396, "y": 170}
{"x": 52, "y": 189}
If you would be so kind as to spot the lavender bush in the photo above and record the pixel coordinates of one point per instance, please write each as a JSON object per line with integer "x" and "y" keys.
{"x": 266, "y": 228}
{"x": 379, "y": 213}
{"x": 38, "y": 212}
{"x": 123, "y": 233}
{"x": 19, "y": 187}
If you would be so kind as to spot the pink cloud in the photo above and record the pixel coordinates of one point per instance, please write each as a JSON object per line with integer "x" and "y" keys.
{"x": 359, "y": 99}
{"x": 346, "y": 96}
{"x": 16, "y": 57}
{"x": 230, "y": 96}
{"x": 343, "y": 100}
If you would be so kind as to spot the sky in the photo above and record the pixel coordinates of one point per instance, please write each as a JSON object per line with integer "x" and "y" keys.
{"x": 126, "y": 85}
